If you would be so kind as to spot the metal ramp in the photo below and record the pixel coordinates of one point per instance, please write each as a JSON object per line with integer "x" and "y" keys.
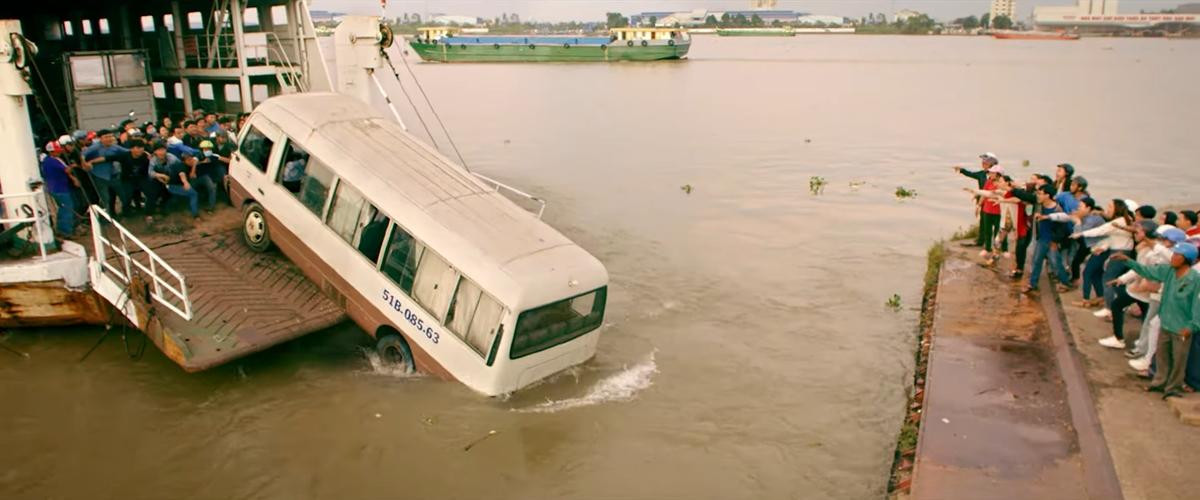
{"x": 205, "y": 299}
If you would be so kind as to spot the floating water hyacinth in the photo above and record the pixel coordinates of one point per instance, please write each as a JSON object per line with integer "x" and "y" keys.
{"x": 903, "y": 193}
{"x": 686, "y": 188}
{"x": 1024, "y": 163}
{"x": 816, "y": 184}
{"x": 893, "y": 302}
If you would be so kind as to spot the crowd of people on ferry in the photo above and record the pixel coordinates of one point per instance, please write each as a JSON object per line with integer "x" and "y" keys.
{"x": 1123, "y": 257}
{"x": 139, "y": 169}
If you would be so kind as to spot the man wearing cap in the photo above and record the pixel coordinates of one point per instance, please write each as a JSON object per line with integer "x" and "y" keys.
{"x": 203, "y": 172}
{"x": 1062, "y": 177}
{"x": 990, "y": 169}
{"x": 1147, "y": 342}
{"x": 104, "y": 157}
{"x": 81, "y": 189}
{"x": 1179, "y": 314}
{"x": 58, "y": 181}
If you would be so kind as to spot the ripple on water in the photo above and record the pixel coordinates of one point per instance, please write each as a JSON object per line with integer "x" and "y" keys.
{"x": 378, "y": 367}
{"x": 618, "y": 387}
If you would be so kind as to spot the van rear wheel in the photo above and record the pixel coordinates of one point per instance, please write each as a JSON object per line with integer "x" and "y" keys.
{"x": 394, "y": 353}
{"x": 254, "y": 227}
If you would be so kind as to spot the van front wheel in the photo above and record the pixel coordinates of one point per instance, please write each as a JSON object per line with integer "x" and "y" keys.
{"x": 254, "y": 227}
{"x": 394, "y": 353}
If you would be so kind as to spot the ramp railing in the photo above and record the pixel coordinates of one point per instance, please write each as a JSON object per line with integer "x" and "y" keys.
{"x": 31, "y": 207}
{"x": 500, "y": 186}
{"x": 167, "y": 286}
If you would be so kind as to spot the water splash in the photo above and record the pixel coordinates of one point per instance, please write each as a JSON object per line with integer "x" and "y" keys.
{"x": 621, "y": 386}
{"x": 378, "y": 367}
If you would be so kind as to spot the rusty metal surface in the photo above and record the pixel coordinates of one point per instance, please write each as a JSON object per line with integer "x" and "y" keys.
{"x": 996, "y": 422}
{"x": 49, "y": 303}
{"x": 242, "y": 301}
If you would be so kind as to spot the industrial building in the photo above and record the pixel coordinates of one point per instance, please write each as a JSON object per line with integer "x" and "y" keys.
{"x": 698, "y": 16}
{"x": 1103, "y": 17}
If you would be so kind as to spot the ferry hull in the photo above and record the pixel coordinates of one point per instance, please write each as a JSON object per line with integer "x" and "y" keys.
{"x": 50, "y": 303}
{"x": 548, "y": 53}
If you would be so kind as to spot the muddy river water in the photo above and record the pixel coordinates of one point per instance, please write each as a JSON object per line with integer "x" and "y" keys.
{"x": 747, "y": 351}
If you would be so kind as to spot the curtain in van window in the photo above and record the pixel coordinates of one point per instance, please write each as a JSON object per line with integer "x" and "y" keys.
{"x": 345, "y": 211}
{"x": 434, "y": 284}
{"x": 485, "y": 324}
{"x": 462, "y": 308}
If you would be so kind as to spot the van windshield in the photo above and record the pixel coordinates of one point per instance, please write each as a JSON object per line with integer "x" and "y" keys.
{"x": 544, "y": 327}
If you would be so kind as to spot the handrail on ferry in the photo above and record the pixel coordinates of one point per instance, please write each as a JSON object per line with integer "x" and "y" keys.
{"x": 39, "y": 215}
{"x": 500, "y": 185}
{"x": 125, "y": 275}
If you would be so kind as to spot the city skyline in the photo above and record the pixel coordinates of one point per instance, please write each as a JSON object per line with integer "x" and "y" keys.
{"x": 594, "y": 10}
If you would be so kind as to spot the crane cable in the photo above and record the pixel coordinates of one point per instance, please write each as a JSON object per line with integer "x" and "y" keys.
{"x": 30, "y": 55}
{"x": 433, "y": 110}
{"x": 408, "y": 97}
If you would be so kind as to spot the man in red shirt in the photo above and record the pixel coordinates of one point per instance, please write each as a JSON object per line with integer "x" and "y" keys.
{"x": 983, "y": 176}
{"x": 990, "y": 213}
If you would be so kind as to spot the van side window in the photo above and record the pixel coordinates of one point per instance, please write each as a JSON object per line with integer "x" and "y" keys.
{"x": 434, "y": 285}
{"x": 256, "y": 148}
{"x": 474, "y": 316}
{"x": 401, "y": 258}
{"x": 357, "y": 221}
{"x": 305, "y": 177}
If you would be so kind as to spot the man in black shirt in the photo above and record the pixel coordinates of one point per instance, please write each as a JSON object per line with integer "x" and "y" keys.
{"x": 134, "y": 170}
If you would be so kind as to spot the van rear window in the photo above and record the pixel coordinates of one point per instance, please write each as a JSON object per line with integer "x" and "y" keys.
{"x": 553, "y": 324}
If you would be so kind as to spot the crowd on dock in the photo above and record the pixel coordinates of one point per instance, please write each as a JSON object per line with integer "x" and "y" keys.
{"x": 138, "y": 169}
{"x": 1124, "y": 258}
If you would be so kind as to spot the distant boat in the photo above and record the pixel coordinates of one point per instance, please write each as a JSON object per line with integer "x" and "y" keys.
{"x": 444, "y": 44}
{"x": 785, "y": 31}
{"x": 1034, "y": 35}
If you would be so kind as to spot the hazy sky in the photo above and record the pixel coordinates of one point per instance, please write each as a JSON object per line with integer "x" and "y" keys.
{"x": 562, "y": 10}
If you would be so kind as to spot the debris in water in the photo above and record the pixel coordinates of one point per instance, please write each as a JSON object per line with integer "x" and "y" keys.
{"x": 903, "y": 192}
{"x": 854, "y": 185}
{"x": 1024, "y": 163}
{"x": 945, "y": 420}
{"x": 242, "y": 372}
{"x": 506, "y": 141}
{"x": 686, "y": 188}
{"x": 428, "y": 421}
{"x": 807, "y": 141}
{"x": 893, "y": 303}
{"x": 378, "y": 415}
{"x": 816, "y": 184}
{"x": 480, "y": 440}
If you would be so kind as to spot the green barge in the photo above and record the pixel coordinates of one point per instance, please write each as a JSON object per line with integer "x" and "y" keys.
{"x": 442, "y": 44}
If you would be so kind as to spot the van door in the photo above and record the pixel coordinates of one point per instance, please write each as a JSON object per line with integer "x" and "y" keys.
{"x": 256, "y": 160}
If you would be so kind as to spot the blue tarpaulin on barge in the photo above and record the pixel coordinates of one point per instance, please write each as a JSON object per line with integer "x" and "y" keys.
{"x": 525, "y": 40}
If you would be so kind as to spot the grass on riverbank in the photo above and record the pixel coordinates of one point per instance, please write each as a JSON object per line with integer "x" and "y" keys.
{"x": 906, "y": 441}
{"x": 969, "y": 233}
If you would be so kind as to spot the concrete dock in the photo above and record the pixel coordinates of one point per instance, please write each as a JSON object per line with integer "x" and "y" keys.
{"x": 1001, "y": 417}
